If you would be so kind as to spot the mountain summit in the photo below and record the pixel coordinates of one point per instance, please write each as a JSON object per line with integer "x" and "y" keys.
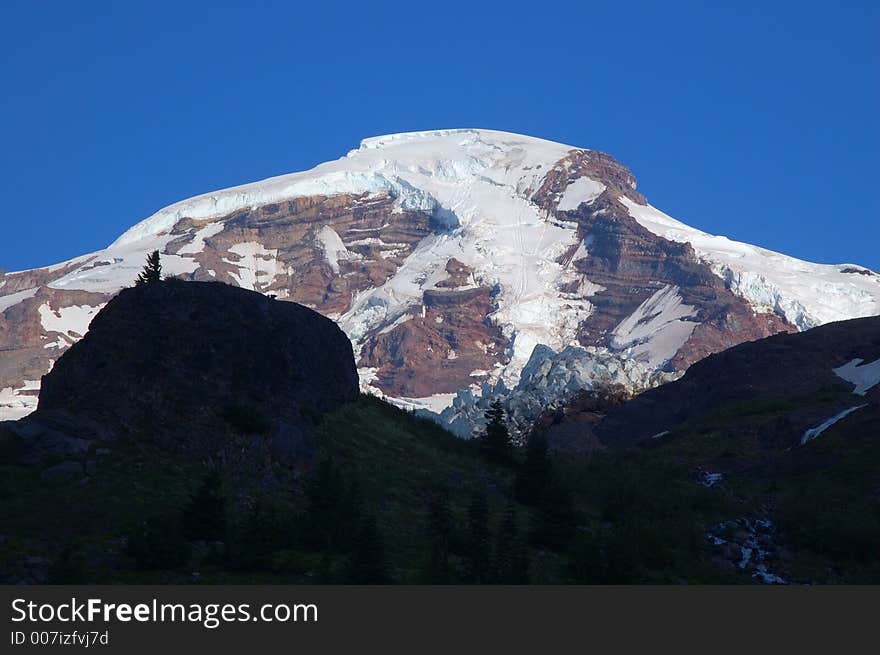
{"x": 462, "y": 264}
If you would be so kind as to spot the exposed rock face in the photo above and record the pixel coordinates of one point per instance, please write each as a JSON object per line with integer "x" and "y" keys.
{"x": 297, "y": 249}
{"x": 460, "y": 275}
{"x": 33, "y": 334}
{"x": 447, "y": 257}
{"x": 631, "y": 265}
{"x": 447, "y": 347}
{"x": 184, "y": 363}
{"x": 589, "y": 164}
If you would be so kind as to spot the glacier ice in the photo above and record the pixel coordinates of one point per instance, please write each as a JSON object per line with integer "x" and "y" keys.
{"x": 548, "y": 379}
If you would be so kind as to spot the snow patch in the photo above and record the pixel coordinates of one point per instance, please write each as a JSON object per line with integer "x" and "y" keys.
{"x": 583, "y": 248}
{"x": 72, "y": 322}
{"x": 366, "y": 376}
{"x": 330, "y": 179}
{"x": 14, "y": 298}
{"x": 257, "y": 265}
{"x": 400, "y": 320}
{"x": 812, "y": 433}
{"x": 197, "y": 245}
{"x": 435, "y": 404}
{"x": 125, "y": 262}
{"x": 334, "y": 250}
{"x": 863, "y": 376}
{"x": 656, "y": 330}
{"x": 582, "y": 190}
{"x": 18, "y": 402}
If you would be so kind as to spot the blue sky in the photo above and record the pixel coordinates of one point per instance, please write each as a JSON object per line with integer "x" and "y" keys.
{"x": 757, "y": 120}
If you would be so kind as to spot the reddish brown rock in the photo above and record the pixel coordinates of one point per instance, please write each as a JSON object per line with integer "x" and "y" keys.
{"x": 631, "y": 264}
{"x": 24, "y": 340}
{"x": 438, "y": 350}
{"x": 460, "y": 275}
{"x": 378, "y": 245}
{"x": 586, "y": 163}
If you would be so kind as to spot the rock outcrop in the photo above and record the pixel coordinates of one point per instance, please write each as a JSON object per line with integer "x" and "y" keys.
{"x": 196, "y": 367}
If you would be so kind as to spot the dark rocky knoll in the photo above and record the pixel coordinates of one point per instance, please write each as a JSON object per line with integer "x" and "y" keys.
{"x": 194, "y": 366}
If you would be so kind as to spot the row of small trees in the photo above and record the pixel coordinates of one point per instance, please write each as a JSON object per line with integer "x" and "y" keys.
{"x": 487, "y": 555}
{"x": 499, "y": 553}
{"x": 334, "y": 525}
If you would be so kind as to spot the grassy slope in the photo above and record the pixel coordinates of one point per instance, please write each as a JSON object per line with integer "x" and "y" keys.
{"x": 396, "y": 459}
{"x": 824, "y": 496}
{"x": 644, "y": 515}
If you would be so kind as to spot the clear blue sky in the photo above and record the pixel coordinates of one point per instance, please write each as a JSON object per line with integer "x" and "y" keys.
{"x": 757, "y": 120}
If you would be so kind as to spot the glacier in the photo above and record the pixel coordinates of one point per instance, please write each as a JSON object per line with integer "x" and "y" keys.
{"x": 806, "y": 294}
{"x": 477, "y": 186}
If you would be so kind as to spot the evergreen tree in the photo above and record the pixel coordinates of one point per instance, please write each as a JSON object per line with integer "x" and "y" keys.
{"x": 334, "y": 509}
{"x": 157, "y": 543}
{"x": 324, "y": 495}
{"x": 535, "y": 472}
{"x": 439, "y": 532}
{"x": 368, "y": 564}
{"x": 496, "y": 439}
{"x": 556, "y": 516}
{"x": 69, "y": 566}
{"x": 152, "y": 272}
{"x": 204, "y": 517}
{"x": 511, "y": 555}
{"x": 326, "y": 570}
{"x": 478, "y": 555}
{"x": 350, "y": 515}
{"x": 260, "y": 535}
{"x": 585, "y": 563}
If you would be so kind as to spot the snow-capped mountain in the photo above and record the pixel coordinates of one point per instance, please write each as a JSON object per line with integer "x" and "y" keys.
{"x": 460, "y": 263}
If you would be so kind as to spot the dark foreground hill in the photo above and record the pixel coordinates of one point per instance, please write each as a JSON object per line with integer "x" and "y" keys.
{"x": 789, "y": 376}
{"x": 202, "y": 432}
{"x": 197, "y": 367}
{"x": 780, "y": 436}
{"x": 144, "y": 514}
{"x": 165, "y": 469}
